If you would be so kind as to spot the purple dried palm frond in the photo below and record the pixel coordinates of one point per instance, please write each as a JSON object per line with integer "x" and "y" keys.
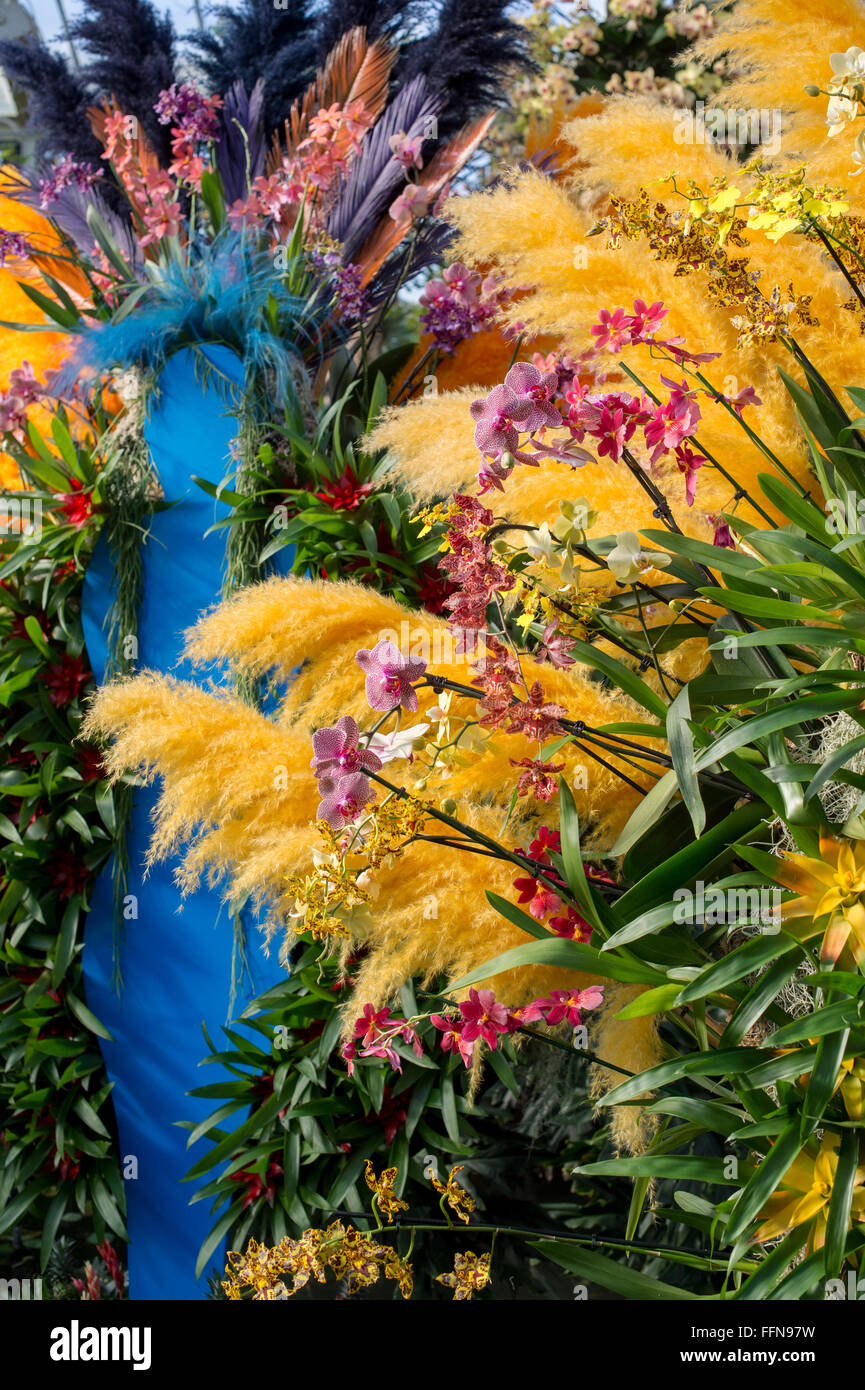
{"x": 242, "y": 151}
{"x": 376, "y": 177}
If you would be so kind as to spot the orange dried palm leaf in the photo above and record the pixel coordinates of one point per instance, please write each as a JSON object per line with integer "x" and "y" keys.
{"x": 355, "y": 70}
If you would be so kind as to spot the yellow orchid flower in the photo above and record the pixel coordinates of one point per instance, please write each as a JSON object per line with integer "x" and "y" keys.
{"x": 805, "y": 1193}
{"x": 832, "y": 886}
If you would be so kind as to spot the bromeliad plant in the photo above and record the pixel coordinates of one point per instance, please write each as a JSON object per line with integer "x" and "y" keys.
{"x": 61, "y": 1169}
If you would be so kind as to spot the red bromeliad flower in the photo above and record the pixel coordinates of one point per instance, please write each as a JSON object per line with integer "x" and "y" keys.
{"x": 77, "y": 505}
{"x": 433, "y": 589}
{"x": 65, "y": 679}
{"x": 90, "y": 763}
{"x": 258, "y": 1185}
{"x": 67, "y": 873}
{"x": 392, "y": 1115}
{"x": 345, "y": 493}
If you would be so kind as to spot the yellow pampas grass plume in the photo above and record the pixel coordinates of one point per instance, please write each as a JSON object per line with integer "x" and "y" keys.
{"x": 238, "y": 797}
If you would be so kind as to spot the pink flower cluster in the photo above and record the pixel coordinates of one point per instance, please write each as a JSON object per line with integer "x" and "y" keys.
{"x": 459, "y": 305}
{"x": 617, "y": 330}
{"x": 375, "y": 1034}
{"x": 68, "y": 171}
{"x": 549, "y": 393}
{"x": 154, "y": 196}
{"x": 194, "y": 120}
{"x": 334, "y": 138}
{"x": 612, "y": 419}
{"x": 22, "y": 391}
{"x": 480, "y": 1017}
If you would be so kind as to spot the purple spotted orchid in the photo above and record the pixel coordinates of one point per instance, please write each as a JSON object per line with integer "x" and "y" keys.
{"x": 523, "y": 404}
{"x": 337, "y": 754}
{"x": 343, "y": 801}
{"x": 389, "y": 676}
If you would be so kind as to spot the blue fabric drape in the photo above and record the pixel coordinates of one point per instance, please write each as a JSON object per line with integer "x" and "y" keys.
{"x": 176, "y": 959}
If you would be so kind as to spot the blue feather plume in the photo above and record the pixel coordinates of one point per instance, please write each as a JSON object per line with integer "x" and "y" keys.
{"x": 228, "y": 294}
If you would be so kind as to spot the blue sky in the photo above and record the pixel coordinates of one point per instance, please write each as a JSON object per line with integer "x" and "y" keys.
{"x": 47, "y": 14}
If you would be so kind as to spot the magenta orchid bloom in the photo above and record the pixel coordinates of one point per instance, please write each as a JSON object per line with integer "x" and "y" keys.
{"x": 453, "y": 1039}
{"x": 389, "y": 676}
{"x": 688, "y": 463}
{"x": 541, "y": 900}
{"x": 343, "y": 801}
{"x": 647, "y": 319}
{"x": 483, "y": 1017}
{"x": 747, "y": 396}
{"x": 723, "y": 535}
{"x": 565, "y": 1005}
{"x": 613, "y": 331}
{"x": 337, "y": 753}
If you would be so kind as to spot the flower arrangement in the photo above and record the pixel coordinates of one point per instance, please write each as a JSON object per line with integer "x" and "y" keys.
{"x": 580, "y": 806}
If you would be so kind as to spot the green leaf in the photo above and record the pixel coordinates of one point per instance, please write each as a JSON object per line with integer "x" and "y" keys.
{"x": 213, "y": 197}
{"x": 647, "y": 812}
{"x": 840, "y": 1202}
{"x": 765, "y": 1180}
{"x": 83, "y": 1014}
{"x": 84, "y": 1110}
{"x": 621, "y": 676}
{"x": 66, "y": 940}
{"x": 824, "y": 1076}
{"x": 66, "y": 318}
{"x": 568, "y": 955}
{"x": 610, "y": 1274}
{"x": 651, "y": 1001}
{"x": 517, "y": 916}
{"x": 719, "y": 1063}
{"x": 107, "y": 1207}
{"x": 684, "y": 1167}
{"x": 681, "y": 742}
{"x": 756, "y": 1001}
{"x": 37, "y": 636}
{"x": 53, "y": 1217}
{"x": 572, "y": 858}
{"x": 449, "y": 1108}
{"x": 753, "y": 955}
{"x": 216, "y": 1236}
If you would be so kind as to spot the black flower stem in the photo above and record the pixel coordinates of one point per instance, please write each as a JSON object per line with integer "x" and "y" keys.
{"x": 739, "y": 490}
{"x": 520, "y": 860}
{"x": 654, "y": 656}
{"x": 838, "y": 261}
{"x": 413, "y": 373}
{"x": 565, "y": 1236}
